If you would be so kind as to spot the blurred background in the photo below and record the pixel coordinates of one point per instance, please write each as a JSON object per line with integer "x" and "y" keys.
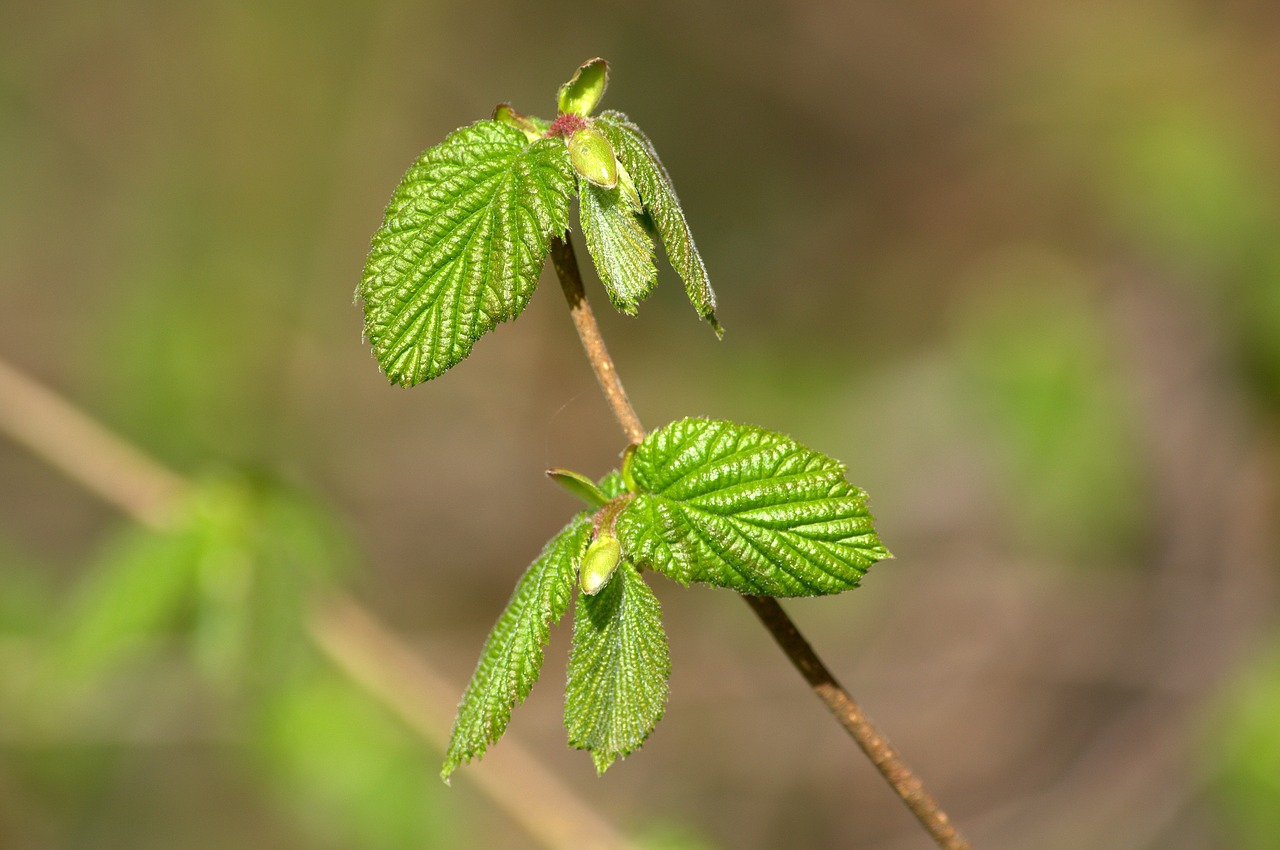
{"x": 1017, "y": 264}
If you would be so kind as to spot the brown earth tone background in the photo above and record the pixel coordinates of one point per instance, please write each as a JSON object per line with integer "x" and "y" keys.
{"x": 1017, "y": 265}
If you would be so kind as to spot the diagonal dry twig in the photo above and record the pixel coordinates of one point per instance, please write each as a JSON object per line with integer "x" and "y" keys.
{"x": 348, "y": 634}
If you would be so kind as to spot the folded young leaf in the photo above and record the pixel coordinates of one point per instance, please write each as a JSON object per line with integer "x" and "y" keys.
{"x": 748, "y": 509}
{"x": 618, "y": 669}
{"x": 653, "y": 183}
{"x": 583, "y": 92}
{"x": 512, "y": 656}
{"x": 619, "y": 245}
{"x": 462, "y": 245}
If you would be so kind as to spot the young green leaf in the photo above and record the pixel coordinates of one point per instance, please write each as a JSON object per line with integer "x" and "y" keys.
{"x": 748, "y": 509}
{"x": 577, "y": 484}
{"x": 512, "y": 656}
{"x": 618, "y": 669}
{"x": 619, "y": 245}
{"x": 461, "y": 246}
{"x": 641, "y": 161}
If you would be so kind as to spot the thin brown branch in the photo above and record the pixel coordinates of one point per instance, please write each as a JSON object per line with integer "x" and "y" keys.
{"x": 896, "y": 772}
{"x": 349, "y": 635}
{"x": 562, "y": 257}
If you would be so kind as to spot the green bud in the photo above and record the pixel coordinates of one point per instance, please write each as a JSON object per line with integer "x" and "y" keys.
{"x": 599, "y": 563}
{"x": 592, "y": 157}
{"x": 583, "y": 92}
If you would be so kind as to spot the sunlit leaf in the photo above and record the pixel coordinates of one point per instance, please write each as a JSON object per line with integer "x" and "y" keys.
{"x": 745, "y": 508}
{"x": 618, "y": 669}
{"x": 462, "y": 246}
{"x": 512, "y": 656}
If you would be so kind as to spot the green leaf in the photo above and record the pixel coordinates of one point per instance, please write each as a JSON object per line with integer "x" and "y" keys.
{"x": 619, "y": 245}
{"x": 462, "y": 246}
{"x": 654, "y": 536}
{"x": 641, "y": 161}
{"x": 748, "y": 509}
{"x": 585, "y": 89}
{"x": 135, "y": 597}
{"x": 613, "y": 485}
{"x": 512, "y": 656}
{"x": 618, "y": 669}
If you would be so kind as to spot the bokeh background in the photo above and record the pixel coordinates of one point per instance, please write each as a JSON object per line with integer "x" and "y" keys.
{"x": 1017, "y": 264}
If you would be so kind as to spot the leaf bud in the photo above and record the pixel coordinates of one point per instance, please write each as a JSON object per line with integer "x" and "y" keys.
{"x": 592, "y": 157}
{"x": 582, "y": 93}
{"x": 598, "y": 564}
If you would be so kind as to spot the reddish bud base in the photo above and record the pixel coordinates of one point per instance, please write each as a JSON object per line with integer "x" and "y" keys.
{"x": 566, "y": 125}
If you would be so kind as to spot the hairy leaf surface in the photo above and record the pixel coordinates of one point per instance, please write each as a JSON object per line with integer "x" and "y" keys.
{"x": 512, "y": 656}
{"x": 619, "y": 245}
{"x": 618, "y": 669}
{"x": 745, "y": 508}
{"x": 653, "y": 183}
{"x": 461, "y": 246}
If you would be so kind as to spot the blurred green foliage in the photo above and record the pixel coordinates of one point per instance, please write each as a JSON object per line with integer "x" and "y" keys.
{"x": 1038, "y": 367}
{"x": 350, "y": 773}
{"x": 212, "y": 613}
{"x": 1244, "y": 751}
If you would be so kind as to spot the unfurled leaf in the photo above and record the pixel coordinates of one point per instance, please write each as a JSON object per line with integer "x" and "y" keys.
{"x": 585, "y": 89}
{"x": 512, "y": 656}
{"x": 619, "y": 245}
{"x": 745, "y": 508}
{"x": 637, "y": 154}
{"x": 462, "y": 245}
{"x": 618, "y": 669}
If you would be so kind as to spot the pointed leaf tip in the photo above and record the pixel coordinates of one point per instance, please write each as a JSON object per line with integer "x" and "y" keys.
{"x": 585, "y": 89}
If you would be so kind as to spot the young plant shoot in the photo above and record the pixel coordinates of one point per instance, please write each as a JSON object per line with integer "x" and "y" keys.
{"x": 464, "y": 240}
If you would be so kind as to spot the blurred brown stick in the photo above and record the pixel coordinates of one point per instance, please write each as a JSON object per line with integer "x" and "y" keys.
{"x": 348, "y": 634}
